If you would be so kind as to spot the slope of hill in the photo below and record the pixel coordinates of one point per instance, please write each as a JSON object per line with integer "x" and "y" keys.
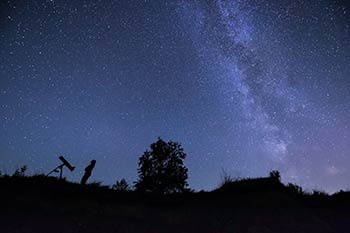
{"x": 43, "y": 204}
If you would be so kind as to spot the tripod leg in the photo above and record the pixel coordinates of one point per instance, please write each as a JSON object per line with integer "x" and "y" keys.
{"x": 61, "y": 171}
{"x": 54, "y": 170}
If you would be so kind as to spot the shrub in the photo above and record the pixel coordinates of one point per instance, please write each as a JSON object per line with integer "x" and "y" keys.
{"x": 20, "y": 172}
{"x": 275, "y": 175}
{"x": 318, "y": 193}
{"x": 295, "y": 188}
{"x": 121, "y": 185}
{"x": 226, "y": 179}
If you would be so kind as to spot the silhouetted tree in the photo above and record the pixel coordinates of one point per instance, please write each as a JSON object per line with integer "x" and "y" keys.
{"x": 275, "y": 175}
{"x": 161, "y": 169}
{"x": 121, "y": 185}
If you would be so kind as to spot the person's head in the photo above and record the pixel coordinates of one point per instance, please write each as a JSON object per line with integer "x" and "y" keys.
{"x": 93, "y": 162}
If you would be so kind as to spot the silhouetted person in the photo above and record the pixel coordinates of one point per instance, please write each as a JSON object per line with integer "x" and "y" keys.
{"x": 88, "y": 171}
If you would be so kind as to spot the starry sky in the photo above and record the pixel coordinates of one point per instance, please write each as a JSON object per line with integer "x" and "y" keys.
{"x": 245, "y": 86}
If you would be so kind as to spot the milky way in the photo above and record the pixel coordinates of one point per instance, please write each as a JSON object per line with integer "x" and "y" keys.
{"x": 245, "y": 86}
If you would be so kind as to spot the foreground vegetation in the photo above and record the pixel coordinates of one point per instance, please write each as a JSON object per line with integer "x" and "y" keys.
{"x": 46, "y": 204}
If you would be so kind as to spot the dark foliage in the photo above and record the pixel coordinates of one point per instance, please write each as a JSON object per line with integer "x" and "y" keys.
{"x": 20, "y": 171}
{"x": 121, "y": 185}
{"x": 47, "y": 204}
{"x": 295, "y": 188}
{"x": 275, "y": 175}
{"x": 161, "y": 170}
{"x": 254, "y": 186}
{"x": 319, "y": 193}
{"x": 227, "y": 179}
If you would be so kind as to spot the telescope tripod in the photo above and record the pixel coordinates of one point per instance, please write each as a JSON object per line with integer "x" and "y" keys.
{"x": 57, "y": 169}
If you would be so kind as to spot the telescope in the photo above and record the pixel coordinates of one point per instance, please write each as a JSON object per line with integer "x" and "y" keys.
{"x": 60, "y": 167}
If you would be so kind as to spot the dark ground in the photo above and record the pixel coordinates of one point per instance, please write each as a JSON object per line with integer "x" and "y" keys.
{"x": 41, "y": 204}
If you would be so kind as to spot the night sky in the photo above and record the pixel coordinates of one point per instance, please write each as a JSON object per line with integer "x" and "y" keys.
{"x": 245, "y": 86}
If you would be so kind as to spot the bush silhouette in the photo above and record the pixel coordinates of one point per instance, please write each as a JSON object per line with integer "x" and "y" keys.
{"x": 121, "y": 185}
{"x": 275, "y": 175}
{"x": 295, "y": 188}
{"x": 319, "y": 193}
{"x": 20, "y": 172}
{"x": 161, "y": 170}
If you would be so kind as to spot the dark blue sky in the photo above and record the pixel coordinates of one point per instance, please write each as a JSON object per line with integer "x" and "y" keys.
{"x": 245, "y": 86}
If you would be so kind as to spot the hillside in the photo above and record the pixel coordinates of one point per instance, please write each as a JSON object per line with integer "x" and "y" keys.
{"x": 42, "y": 204}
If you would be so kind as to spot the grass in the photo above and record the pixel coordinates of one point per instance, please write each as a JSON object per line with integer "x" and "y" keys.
{"x": 46, "y": 204}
